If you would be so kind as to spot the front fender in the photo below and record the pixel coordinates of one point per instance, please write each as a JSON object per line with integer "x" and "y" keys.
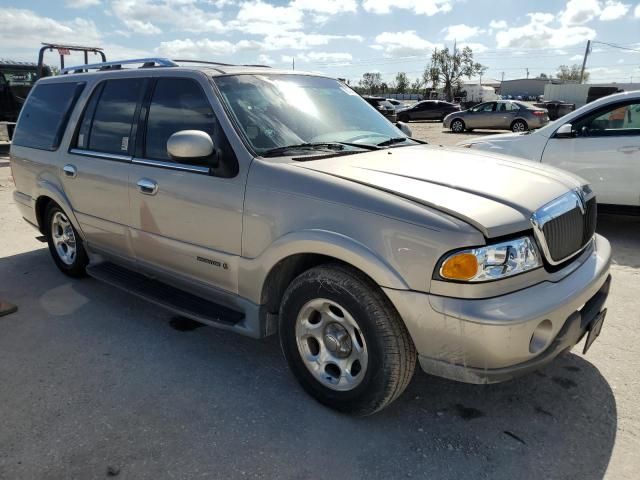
{"x": 253, "y": 271}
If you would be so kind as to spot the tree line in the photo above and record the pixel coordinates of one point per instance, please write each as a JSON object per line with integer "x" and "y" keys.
{"x": 445, "y": 70}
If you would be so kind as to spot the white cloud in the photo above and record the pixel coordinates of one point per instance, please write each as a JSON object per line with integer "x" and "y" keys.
{"x": 300, "y": 41}
{"x": 461, "y": 32}
{"x": 260, "y": 18}
{"x": 330, "y": 7}
{"x": 498, "y": 24}
{"x": 325, "y": 57}
{"x": 576, "y": 58}
{"x": 420, "y": 7}
{"x": 265, "y": 59}
{"x": 476, "y": 47}
{"x": 81, "y": 3}
{"x": 578, "y": 12}
{"x": 539, "y": 34}
{"x": 23, "y": 29}
{"x": 203, "y": 49}
{"x": 405, "y": 43}
{"x": 613, "y": 10}
{"x": 636, "y": 12}
{"x": 145, "y": 16}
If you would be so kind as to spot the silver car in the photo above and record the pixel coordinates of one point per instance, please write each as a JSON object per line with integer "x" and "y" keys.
{"x": 271, "y": 202}
{"x": 500, "y": 115}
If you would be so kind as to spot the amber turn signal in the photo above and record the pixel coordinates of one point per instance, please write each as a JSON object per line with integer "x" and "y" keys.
{"x": 463, "y": 266}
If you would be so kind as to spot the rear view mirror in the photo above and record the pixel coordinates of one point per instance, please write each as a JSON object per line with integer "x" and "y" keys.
{"x": 565, "y": 131}
{"x": 404, "y": 128}
{"x": 190, "y": 144}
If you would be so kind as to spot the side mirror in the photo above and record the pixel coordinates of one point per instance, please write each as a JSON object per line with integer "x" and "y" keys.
{"x": 404, "y": 128}
{"x": 565, "y": 131}
{"x": 189, "y": 144}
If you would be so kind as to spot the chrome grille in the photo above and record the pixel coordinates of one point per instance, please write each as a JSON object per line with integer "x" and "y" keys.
{"x": 565, "y": 226}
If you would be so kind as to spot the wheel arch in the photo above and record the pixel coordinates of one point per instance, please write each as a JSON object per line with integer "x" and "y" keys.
{"x": 270, "y": 274}
{"x": 48, "y": 193}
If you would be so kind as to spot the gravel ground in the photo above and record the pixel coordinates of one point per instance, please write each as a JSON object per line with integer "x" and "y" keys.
{"x": 95, "y": 383}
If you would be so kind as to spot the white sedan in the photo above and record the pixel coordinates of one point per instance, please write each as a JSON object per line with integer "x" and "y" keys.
{"x": 600, "y": 142}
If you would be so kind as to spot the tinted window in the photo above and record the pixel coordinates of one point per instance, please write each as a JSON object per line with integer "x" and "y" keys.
{"x": 177, "y": 104}
{"x": 114, "y": 115}
{"x": 45, "y": 115}
{"x": 181, "y": 104}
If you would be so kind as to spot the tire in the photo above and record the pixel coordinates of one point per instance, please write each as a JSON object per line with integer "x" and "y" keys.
{"x": 404, "y": 118}
{"x": 457, "y": 126}
{"x": 341, "y": 323}
{"x": 65, "y": 245}
{"x": 519, "y": 126}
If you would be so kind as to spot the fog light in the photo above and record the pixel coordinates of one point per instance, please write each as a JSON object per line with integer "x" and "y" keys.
{"x": 541, "y": 337}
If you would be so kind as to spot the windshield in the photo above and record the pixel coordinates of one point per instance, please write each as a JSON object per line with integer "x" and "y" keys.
{"x": 276, "y": 111}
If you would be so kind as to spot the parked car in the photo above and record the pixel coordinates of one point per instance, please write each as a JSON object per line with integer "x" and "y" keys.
{"x": 397, "y": 104}
{"x": 428, "y": 110}
{"x": 223, "y": 194}
{"x": 501, "y": 115}
{"x": 599, "y": 142}
{"x": 383, "y": 106}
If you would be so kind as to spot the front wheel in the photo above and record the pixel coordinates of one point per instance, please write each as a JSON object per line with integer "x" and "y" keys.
{"x": 65, "y": 245}
{"x": 519, "y": 126}
{"x": 457, "y": 126}
{"x": 344, "y": 341}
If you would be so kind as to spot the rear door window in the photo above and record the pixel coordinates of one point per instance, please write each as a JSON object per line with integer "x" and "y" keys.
{"x": 109, "y": 117}
{"x": 45, "y": 115}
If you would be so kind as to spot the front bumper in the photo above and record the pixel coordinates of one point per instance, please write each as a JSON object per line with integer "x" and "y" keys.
{"x": 491, "y": 340}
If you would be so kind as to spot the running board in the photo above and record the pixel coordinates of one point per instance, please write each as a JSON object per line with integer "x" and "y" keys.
{"x": 171, "y": 298}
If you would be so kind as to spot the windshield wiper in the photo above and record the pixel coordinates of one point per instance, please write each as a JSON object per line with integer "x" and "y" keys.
{"x": 392, "y": 141}
{"x": 273, "y": 152}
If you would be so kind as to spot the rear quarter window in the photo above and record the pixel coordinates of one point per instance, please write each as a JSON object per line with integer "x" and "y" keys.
{"x": 45, "y": 115}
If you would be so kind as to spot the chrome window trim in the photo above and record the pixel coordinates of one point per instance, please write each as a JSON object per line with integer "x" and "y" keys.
{"x": 173, "y": 166}
{"x": 561, "y": 205}
{"x": 106, "y": 156}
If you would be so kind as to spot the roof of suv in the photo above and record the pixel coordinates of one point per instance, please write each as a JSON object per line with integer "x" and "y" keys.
{"x": 156, "y": 64}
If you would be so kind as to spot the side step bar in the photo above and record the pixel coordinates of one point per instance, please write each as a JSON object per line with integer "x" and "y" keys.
{"x": 171, "y": 298}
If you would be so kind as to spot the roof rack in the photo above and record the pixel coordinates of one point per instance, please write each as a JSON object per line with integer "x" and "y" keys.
{"x": 205, "y": 62}
{"x": 116, "y": 65}
{"x": 62, "y": 51}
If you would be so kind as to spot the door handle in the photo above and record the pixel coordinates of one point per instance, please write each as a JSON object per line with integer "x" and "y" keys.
{"x": 629, "y": 149}
{"x": 147, "y": 186}
{"x": 70, "y": 171}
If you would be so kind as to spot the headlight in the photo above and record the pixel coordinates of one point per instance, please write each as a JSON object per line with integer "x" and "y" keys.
{"x": 492, "y": 262}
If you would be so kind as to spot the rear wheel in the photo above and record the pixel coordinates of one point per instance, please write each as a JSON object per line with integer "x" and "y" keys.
{"x": 519, "y": 126}
{"x": 65, "y": 245}
{"x": 344, "y": 341}
{"x": 457, "y": 126}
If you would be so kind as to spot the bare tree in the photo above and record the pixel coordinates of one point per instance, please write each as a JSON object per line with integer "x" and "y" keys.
{"x": 571, "y": 74}
{"x": 449, "y": 68}
{"x": 370, "y": 82}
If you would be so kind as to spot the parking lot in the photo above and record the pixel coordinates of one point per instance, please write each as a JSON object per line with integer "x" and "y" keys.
{"x": 95, "y": 383}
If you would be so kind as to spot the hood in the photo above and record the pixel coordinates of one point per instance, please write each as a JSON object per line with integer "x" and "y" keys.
{"x": 494, "y": 193}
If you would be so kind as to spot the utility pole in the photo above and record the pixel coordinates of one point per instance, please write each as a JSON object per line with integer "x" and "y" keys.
{"x": 293, "y": 63}
{"x": 527, "y": 73}
{"x": 584, "y": 60}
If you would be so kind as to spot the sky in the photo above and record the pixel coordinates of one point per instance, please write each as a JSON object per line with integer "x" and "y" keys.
{"x": 341, "y": 38}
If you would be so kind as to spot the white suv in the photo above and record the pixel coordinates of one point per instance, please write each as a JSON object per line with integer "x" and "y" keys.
{"x": 600, "y": 142}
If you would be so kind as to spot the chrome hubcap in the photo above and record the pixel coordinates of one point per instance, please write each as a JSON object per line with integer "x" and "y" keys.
{"x": 331, "y": 344}
{"x": 518, "y": 127}
{"x": 457, "y": 126}
{"x": 63, "y": 237}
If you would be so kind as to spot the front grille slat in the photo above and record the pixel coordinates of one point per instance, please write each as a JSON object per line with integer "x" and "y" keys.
{"x": 568, "y": 233}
